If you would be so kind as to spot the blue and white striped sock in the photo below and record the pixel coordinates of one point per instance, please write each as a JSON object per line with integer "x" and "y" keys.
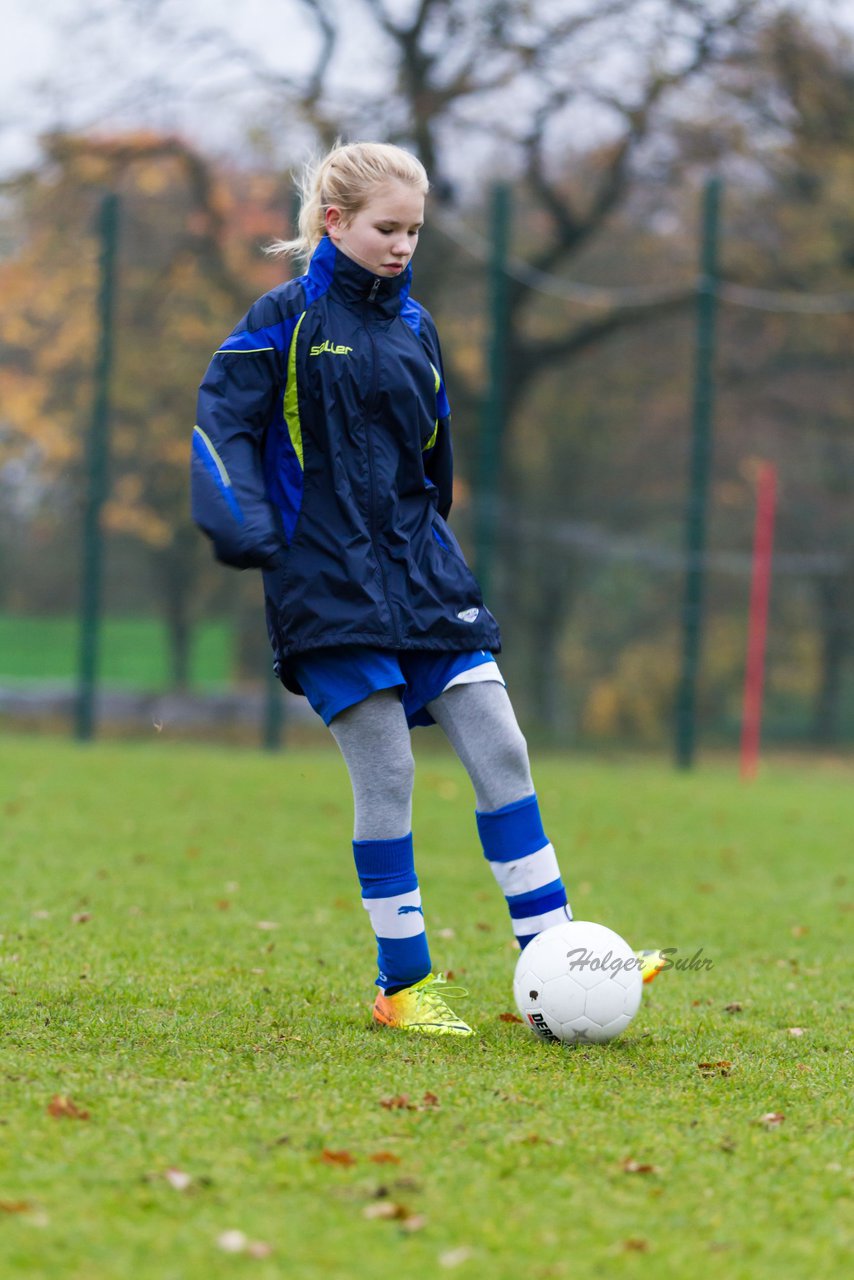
{"x": 391, "y": 896}
{"x": 524, "y": 864}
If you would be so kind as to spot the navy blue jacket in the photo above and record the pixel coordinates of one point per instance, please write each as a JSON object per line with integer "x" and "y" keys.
{"x": 323, "y": 455}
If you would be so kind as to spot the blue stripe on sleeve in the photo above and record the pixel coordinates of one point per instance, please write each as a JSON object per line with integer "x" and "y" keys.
{"x": 410, "y": 313}
{"x": 213, "y": 471}
{"x": 272, "y": 337}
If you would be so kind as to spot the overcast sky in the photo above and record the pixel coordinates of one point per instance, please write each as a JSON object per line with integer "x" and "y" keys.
{"x": 82, "y": 65}
{"x": 98, "y": 64}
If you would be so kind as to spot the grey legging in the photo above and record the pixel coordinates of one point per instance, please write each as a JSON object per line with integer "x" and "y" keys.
{"x": 374, "y": 739}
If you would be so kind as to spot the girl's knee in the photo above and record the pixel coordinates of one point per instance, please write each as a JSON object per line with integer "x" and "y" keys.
{"x": 396, "y": 769}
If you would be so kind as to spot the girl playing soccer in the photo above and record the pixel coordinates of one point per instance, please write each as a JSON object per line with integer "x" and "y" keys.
{"x": 322, "y": 455}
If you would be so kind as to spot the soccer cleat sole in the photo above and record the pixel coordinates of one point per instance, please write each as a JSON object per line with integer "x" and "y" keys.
{"x": 425, "y": 1028}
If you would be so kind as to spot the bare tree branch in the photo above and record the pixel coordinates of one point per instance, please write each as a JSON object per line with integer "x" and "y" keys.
{"x": 541, "y": 355}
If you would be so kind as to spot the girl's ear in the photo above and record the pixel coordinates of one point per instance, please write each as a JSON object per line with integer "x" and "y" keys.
{"x": 334, "y": 223}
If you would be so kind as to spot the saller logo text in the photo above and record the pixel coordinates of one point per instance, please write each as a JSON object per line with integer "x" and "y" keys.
{"x": 330, "y": 349}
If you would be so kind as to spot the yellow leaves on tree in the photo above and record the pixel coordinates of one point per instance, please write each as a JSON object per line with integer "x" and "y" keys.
{"x": 187, "y": 266}
{"x": 47, "y": 332}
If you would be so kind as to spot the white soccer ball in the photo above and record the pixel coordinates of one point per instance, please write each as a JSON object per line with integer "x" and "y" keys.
{"x": 578, "y": 982}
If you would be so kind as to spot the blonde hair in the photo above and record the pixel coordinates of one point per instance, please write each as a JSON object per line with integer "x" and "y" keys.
{"x": 345, "y": 178}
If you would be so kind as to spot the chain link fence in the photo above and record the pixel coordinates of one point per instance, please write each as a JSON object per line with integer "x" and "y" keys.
{"x": 589, "y": 556}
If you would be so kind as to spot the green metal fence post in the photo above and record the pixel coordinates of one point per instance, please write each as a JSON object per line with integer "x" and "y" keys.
{"x": 492, "y": 418}
{"x": 97, "y": 459}
{"x": 700, "y": 471}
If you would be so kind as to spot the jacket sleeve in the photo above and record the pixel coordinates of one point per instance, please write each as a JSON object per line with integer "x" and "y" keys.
{"x": 229, "y": 502}
{"x": 439, "y": 455}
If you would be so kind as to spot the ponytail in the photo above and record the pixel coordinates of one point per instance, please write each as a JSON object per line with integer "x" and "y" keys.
{"x": 345, "y": 178}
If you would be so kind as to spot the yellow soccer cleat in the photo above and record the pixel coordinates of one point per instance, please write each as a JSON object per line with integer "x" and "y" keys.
{"x": 651, "y": 963}
{"x": 422, "y": 1007}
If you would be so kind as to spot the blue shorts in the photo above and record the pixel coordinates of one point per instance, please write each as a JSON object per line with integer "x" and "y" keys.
{"x": 337, "y": 678}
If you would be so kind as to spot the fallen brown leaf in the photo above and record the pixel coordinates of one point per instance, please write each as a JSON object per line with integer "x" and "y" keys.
{"x": 15, "y": 1206}
{"x": 722, "y": 1067}
{"x": 60, "y": 1106}
{"x": 385, "y": 1209}
{"x": 634, "y": 1166}
{"x": 428, "y": 1102}
{"x": 508, "y": 1017}
{"x": 636, "y": 1245}
{"x": 400, "y": 1102}
{"x": 735, "y": 1007}
{"x": 384, "y": 1157}
{"x": 343, "y": 1158}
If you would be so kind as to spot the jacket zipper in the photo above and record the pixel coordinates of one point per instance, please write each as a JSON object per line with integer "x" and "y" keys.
{"x": 372, "y": 491}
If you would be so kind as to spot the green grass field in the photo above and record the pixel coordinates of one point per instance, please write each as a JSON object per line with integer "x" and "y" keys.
{"x": 186, "y": 1049}
{"x": 134, "y": 651}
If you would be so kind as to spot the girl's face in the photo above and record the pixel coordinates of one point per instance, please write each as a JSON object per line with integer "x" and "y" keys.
{"x": 383, "y": 234}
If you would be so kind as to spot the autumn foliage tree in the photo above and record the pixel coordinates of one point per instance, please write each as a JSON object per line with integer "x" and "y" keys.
{"x": 189, "y": 263}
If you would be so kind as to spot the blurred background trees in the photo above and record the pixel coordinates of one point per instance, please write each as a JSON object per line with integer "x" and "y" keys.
{"x": 189, "y": 268}
{"x": 604, "y": 118}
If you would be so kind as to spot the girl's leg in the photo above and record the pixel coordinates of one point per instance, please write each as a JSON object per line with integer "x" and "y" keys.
{"x": 374, "y": 740}
{"x": 482, "y": 728}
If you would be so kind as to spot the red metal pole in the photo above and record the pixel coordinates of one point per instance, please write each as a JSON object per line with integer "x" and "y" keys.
{"x": 760, "y": 589}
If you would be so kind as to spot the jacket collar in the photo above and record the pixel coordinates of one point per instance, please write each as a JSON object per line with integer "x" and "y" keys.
{"x": 331, "y": 271}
